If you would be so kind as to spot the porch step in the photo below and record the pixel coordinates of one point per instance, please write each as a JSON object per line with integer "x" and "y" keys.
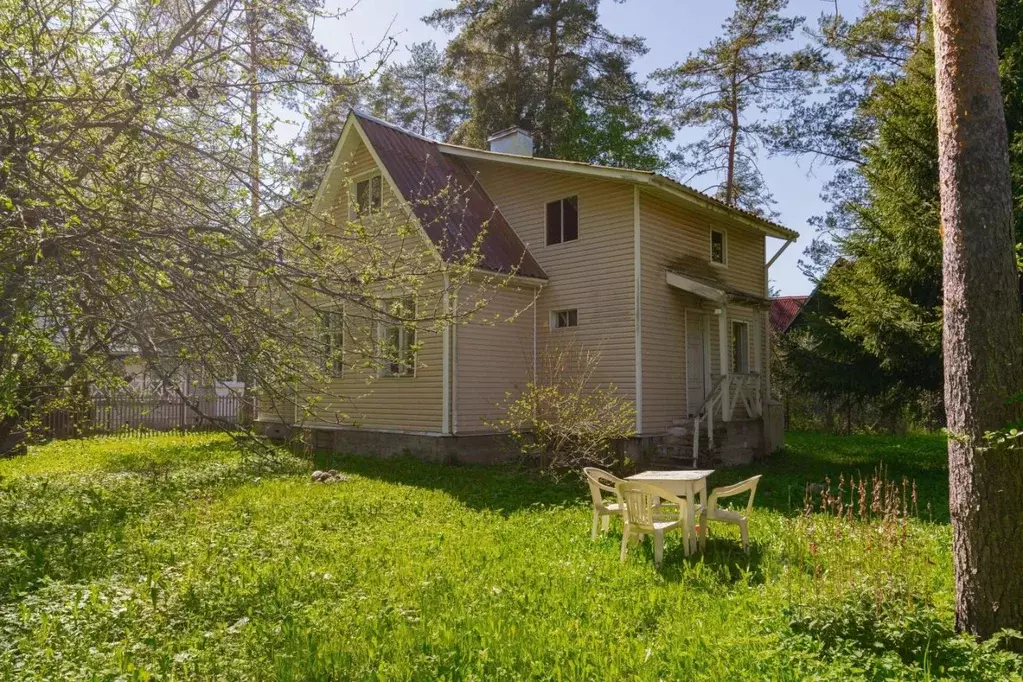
{"x": 735, "y": 442}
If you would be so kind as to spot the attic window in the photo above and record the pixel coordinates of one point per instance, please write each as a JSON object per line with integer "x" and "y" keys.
{"x": 368, "y": 196}
{"x": 563, "y": 319}
{"x": 563, "y": 220}
{"x": 718, "y": 246}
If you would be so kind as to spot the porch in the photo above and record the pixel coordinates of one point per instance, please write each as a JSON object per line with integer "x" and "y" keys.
{"x": 725, "y": 368}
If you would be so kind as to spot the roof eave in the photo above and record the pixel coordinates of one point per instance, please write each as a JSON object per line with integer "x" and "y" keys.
{"x": 708, "y": 204}
{"x": 639, "y": 177}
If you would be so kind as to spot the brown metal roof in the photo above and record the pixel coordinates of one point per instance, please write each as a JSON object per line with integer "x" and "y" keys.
{"x": 431, "y": 181}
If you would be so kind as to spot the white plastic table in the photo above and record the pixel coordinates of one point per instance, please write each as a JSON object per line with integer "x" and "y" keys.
{"x": 685, "y": 484}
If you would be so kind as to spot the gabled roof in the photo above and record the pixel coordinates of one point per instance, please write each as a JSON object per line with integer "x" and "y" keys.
{"x": 426, "y": 177}
{"x": 784, "y": 311}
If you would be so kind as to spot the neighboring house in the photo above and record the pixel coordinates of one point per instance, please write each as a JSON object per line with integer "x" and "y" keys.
{"x": 784, "y": 311}
{"x": 670, "y": 285}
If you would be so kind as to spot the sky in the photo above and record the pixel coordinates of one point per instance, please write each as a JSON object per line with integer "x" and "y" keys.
{"x": 672, "y": 29}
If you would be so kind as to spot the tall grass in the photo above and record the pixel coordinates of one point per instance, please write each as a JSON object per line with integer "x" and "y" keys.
{"x": 172, "y": 558}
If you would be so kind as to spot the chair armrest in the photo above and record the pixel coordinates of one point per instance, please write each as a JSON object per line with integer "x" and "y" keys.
{"x": 749, "y": 485}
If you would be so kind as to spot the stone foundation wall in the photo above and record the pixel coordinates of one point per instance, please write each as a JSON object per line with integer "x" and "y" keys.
{"x": 476, "y": 449}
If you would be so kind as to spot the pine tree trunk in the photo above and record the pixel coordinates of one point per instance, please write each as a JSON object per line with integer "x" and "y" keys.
{"x": 733, "y": 143}
{"x": 983, "y": 343}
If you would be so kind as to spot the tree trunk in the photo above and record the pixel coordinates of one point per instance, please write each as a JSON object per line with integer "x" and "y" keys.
{"x": 983, "y": 343}
{"x": 552, "y": 71}
{"x": 253, "y": 68}
{"x": 733, "y": 142}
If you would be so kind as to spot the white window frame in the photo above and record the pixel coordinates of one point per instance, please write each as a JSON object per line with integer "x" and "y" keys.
{"x": 353, "y": 194}
{"x": 561, "y": 201}
{"x": 724, "y": 247}
{"x": 329, "y": 336}
{"x": 407, "y": 338}
{"x": 732, "y": 348}
{"x": 555, "y": 316}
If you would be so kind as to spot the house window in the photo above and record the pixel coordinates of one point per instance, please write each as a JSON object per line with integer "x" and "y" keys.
{"x": 397, "y": 337}
{"x": 740, "y": 348}
{"x": 563, "y": 220}
{"x": 332, "y": 341}
{"x": 368, "y": 196}
{"x": 563, "y": 319}
{"x": 718, "y": 247}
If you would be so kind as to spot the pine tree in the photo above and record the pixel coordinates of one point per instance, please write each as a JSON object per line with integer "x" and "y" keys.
{"x": 982, "y": 339}
{"x": 551, "y": 67}
{"x": 721, "y": 86}
{"x": 885, "y": 218}
{"x": 426, "y": 100}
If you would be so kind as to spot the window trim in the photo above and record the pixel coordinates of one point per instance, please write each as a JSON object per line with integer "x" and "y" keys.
{"x": 384, "y": 369}
{"x": 554, "y": 316}
{"x": 732, "y": 347}
{"x": 328, "y": 335}
{"x": 546, "y": 233}
{"x": 353, "y": 193}
{"x": 724, "y": 247}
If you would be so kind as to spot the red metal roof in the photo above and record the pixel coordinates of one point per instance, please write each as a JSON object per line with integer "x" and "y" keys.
{"x": 426, "y": 177}
{"x": 784, "y": 310}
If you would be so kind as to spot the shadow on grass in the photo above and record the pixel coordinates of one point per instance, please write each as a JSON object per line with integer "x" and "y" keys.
{"x": 504, "y": 488}
{"x": 807, "y": 459}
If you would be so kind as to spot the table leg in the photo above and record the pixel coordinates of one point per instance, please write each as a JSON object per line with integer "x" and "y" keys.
{"x": 690, "y": 520}
{"x": 703, "y": 514}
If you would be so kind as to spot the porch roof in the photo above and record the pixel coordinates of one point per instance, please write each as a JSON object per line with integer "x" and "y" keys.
{"x": 711, "y": 290}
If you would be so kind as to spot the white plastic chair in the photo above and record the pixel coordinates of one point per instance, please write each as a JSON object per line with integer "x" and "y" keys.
{"x": 602, "y": 482}
{"x": 716, "y": 513}
{"x": 643, "y": 514}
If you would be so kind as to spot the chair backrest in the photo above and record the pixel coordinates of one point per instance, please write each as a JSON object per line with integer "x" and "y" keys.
{"x": 600, "y": 480}
{"x": 750, "y": 484}
{"x": 641, "y": 500}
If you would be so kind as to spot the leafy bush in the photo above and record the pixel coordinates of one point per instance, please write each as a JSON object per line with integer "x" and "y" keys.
{"x": 895, "y": 635}
{"x": 564, "y": 417}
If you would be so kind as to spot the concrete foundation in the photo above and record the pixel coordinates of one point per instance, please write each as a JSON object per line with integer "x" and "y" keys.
{"x": 447, "y": 449}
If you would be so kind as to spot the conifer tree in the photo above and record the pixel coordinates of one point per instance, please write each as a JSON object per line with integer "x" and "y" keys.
{"x": 723, "y": 87}
{"x": 551, "y": 67}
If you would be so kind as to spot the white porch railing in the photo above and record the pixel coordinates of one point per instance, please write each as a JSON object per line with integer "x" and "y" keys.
{"x": 728, "y": 392}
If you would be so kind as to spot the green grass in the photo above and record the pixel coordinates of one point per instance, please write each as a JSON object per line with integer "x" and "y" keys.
{"x": 176, "y": 558}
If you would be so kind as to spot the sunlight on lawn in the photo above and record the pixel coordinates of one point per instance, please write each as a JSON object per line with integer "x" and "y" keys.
{"x": 173, "y": 556}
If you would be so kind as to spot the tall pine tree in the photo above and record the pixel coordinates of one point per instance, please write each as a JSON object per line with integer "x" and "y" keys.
{"x": 885, "y": 220}
{"x": 725, "y": 87}
{"x": 550, "y": 66}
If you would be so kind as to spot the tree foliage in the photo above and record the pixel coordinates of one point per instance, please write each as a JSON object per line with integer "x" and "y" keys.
{"x": 126, "y": 183}
{"x": 551, "y": 67}
{"x": 878, "y": 126}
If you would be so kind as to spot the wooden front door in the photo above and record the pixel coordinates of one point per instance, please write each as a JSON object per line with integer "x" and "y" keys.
{"x": 696, "y": 386}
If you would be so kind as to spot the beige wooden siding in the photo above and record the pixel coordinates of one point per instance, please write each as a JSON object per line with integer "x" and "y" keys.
{"x": 360, "y": 398}
{"x": 282, "y": 412}
{"x": 669, "y": 234}
{"x": 593, "y": 275}
{"x": 493, "y": 355}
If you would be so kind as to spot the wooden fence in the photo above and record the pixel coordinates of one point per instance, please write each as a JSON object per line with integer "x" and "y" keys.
{"x": 130, "y": 415}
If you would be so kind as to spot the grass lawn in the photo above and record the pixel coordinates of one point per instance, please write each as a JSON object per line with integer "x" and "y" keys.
{"x": 175, "y": 558}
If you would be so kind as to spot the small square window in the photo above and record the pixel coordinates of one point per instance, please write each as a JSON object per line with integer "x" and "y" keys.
{"x": 718, "y": 247}
{"x": 563, "y": 220}
{"x": 368, "y": 196}
{"x": 563, "y": 319}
